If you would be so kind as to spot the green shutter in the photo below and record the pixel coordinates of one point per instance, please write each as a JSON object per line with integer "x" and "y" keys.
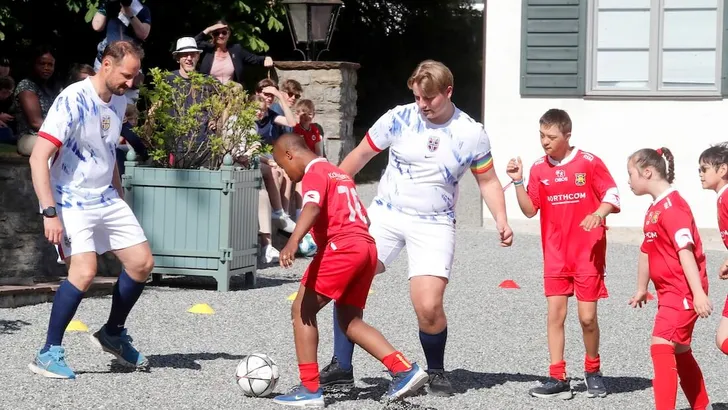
{"x": 553, "y": 48}
{"x": 724, "y": 66}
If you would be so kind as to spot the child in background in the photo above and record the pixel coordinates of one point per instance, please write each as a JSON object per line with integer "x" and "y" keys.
{"x": 305, "y": 112}
{"x": 714, "y": 176}
{"x": 672, "y": 257}
{"x": 129, "y": 138}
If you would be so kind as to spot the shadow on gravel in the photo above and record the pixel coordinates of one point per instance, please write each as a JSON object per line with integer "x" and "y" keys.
{"x": 204, "y": 283}
{"x": 376, "y": 388}
{"x": 716, "y": 406}
{"x": 8, "y": 327}
{"x": 617, "y": 385}
{"x": 463, "y": 380}
{"x": 187, "y": 360}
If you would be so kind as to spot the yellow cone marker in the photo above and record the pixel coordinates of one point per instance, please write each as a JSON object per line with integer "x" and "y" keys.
{"x": 371, "y": 291}
{"x": 292, "y": 296}
{"x": 77, "y": 326}
{"x": 202, "y": 309}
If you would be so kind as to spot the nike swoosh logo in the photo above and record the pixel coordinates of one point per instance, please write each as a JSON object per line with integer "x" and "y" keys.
{"x": 299, "y": 397}
{"x": 429, "y": 156}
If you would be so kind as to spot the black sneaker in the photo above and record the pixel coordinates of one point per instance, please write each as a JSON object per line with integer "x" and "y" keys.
{"x": 595, "y": 386}
{"x": 553, "y": 389}
{"x": 334, "y": 377}
{"x": 438, "y": 384}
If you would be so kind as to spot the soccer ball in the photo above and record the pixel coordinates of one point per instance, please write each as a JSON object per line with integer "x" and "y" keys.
{"x": 257, "y": 374}
{"x": 307, "y": 247}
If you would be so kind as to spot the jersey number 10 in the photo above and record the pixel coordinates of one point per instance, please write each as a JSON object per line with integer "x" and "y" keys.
{"x": 355, "y": 209}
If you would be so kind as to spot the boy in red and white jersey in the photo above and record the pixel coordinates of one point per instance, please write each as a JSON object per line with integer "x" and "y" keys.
{"x": 342, "y": 270}
{"x": 672, "y": 257}
{"x": 575, "y": 192}
{"x": 714, "y": 175}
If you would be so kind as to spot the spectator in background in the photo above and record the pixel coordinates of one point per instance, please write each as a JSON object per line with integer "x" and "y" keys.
{"x": 4, "y": 67}
{"x": 122, "y": 20}
{"x": 79, "y": 72}
{"x": 7, "y": 85}
{"x": 33, "y": 98}
{"x": 222, "y": 61}
{"x": 129, "y": 138}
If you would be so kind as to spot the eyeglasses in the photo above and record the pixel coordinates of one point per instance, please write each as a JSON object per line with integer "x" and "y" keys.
{"x": 294, "y": 95}
{"x": 220, "y": 33}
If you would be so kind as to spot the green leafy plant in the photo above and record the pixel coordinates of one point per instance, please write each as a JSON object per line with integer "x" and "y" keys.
{"x": 195, "y": 122}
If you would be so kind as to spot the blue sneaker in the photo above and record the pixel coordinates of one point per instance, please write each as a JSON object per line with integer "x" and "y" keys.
{"x": 52, "y": 364}
{"x": 300, "y": 396}
{"x": 120, "y": 346}
{"x": 406, "y": 383}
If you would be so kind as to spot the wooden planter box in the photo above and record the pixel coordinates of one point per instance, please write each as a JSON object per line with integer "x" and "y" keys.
{"x": 199, "y": 222}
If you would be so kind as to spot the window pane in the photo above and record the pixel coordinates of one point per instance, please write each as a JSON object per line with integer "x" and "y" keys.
{"x": 623, "y": 69}
{"x": 690, "y": 29}
{"x": 693, "y": 69}
{"x": 684, "y": 4}
{"x": 624, "y": 4}
{"x": 623, "y": 29}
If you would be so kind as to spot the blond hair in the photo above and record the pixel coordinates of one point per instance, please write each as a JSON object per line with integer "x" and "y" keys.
{"x": 132, "y": 111}
{"x": 432, "y": 77}
{"x": 305, "y": 105}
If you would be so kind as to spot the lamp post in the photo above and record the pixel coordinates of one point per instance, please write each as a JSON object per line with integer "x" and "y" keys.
{"x": 312, "y": 22}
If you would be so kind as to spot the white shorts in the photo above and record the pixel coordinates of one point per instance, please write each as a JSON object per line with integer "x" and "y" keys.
{"x": 430, "y": 243}
{"x": 99, "y": 230}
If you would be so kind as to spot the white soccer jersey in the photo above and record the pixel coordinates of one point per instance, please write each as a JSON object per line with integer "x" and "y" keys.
{"x": 86, "y": 132}
{"x": 427, "y": 160}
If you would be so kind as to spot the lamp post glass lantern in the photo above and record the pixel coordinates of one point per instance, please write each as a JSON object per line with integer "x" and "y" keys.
{"x": 312, "y": 22}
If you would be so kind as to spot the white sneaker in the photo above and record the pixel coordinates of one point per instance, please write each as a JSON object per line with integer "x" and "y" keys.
{"x": 270, "y": 254}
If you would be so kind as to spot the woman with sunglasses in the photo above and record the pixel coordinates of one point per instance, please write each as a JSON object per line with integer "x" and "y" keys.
{"x": 222, "y": 61}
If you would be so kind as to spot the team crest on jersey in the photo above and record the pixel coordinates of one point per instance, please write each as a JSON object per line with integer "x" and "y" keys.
{"x": 105, "y": 122}
{"x": 654, "y": 217}
{"x": 433, "y": 143}
{"x": 580, "y": 179}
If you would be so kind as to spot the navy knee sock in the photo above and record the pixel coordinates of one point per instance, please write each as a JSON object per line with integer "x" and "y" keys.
{"x": 126, "y": 294}
{"x": 343, "y": 347}
{"x": 434, "y": 348}
{"x": 65, "y": 303}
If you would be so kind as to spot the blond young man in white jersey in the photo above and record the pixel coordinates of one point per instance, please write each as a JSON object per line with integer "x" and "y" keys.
{"x": 432, "y": 144}
{"x": 82, "y": 206}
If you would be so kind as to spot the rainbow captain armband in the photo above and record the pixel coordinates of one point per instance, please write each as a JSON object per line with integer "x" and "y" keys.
{"x": 518, "y": 183}
{"x": 482, "y": 164}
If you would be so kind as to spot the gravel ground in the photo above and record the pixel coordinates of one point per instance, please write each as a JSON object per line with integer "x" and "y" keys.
{"x": 496, "y": 351}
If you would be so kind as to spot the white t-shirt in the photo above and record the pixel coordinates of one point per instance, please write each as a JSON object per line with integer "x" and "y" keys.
{"x": 86, "y": 132}
{"x": 427, "y": 160}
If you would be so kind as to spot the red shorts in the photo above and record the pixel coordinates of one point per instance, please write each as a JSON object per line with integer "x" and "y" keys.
{"x": 343, "y": 272}
{"x": 675, "y": 325}
{"x": 587, "y": 288}
{"x": 725, "y": 307}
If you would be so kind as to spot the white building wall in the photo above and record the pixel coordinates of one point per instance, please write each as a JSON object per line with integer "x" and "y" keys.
{"x": 610, "y": 129}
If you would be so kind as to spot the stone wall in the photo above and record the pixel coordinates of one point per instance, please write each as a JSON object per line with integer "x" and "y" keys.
{"x": 24, "y": 252}
{"x": 332, "y": 88}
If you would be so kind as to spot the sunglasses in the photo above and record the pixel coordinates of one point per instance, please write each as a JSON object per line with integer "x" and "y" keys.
{"x": 294, "y": 95}
{"x": 220, "y": 33}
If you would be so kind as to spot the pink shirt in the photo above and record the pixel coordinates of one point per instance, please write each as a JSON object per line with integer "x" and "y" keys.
{"x": 222, "y": 68}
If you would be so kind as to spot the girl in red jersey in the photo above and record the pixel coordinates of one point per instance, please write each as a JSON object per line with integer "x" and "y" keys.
{"x": 714, "y": 175}
{"x": 672, "y": 257}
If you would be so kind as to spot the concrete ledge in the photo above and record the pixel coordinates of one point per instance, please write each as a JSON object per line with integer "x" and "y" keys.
{"x": 315, "y": 65}
{"x": 623, "y": 235}
{"x": 45, "y": 289}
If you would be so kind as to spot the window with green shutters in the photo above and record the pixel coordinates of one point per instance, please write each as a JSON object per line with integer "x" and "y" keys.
{"x": 624, "y": 48}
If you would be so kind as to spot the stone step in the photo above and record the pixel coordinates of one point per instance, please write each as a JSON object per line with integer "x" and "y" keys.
{"x": 43, "y": 289}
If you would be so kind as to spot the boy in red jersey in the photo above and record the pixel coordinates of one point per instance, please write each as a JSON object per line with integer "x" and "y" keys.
{"x": 305, "y": 111}
{"x": 714, "y": 175}
{"x": 672, "y": 257}
{"x": 574, "y": 192}
{"x": 342, "y": 270}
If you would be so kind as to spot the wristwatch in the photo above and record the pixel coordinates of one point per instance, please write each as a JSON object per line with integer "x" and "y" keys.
{"x": 49, "y": 212}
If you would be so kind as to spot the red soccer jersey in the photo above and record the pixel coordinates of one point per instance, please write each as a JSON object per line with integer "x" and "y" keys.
{"x": 566, "y": 193}
{"x": 342, "y": 216}
{"x": 723, "y": 214}
{"x": 311, "y": 136}
{"x": 669, "y": 228}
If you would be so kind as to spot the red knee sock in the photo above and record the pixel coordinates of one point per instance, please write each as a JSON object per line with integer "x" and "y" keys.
{"x": 592, "y": 365}
{"x": 558, "y": 370}
{"x": 396, "y": 362}
{"x": 309, "y": 375}
{"x": 691, "y": 380}
{"x": 724, "y": 347}
{"x": 664, "y": 382}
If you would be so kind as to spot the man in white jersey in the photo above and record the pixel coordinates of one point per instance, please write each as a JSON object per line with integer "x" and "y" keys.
{"x": 432, "y": 144}
{"x": 83, "y": 209}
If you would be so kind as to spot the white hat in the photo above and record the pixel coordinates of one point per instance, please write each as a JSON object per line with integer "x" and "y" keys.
{"x": 186, "y": 45}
